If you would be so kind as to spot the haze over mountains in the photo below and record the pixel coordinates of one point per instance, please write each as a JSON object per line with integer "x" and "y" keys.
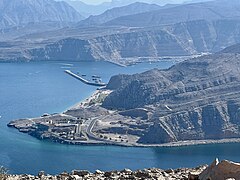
{"x": 184, "y": 13}
{"x": 89, "y": 9}
{"x": 114, "y": 13}
{"x": 20, "y": 12}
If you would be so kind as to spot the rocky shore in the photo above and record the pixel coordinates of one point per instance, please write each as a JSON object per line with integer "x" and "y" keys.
{"x": 153, "y": 173}
{"x": 216, "y": 171}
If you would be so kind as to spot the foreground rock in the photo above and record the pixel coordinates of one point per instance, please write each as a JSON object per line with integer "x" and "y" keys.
{"x": 154, "y": 173}
{"x": 216, "y": 171}
{"x": 221, "y": 171}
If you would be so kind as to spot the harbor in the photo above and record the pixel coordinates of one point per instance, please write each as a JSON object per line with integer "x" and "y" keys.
{"x": 53, "y": 91}
{"x": 96, "y": 83}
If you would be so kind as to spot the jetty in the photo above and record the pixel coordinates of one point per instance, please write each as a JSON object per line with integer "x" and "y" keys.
{"x": 99, "y": 84}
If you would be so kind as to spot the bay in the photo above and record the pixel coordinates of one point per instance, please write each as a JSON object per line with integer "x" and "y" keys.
{"x": 31, "y": 89}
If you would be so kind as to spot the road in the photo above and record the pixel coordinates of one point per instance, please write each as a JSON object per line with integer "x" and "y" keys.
{"x": 92, "y": 135}
{"x": 90, "y": 127}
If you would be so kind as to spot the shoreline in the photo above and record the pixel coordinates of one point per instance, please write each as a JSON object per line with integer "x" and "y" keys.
{"x": 165, "y": 145}
{"x": 195, "y": 143}
{"x": 81, "y": 101}
{"x": 171, "y": 144}
{"x": 87, "y": 101}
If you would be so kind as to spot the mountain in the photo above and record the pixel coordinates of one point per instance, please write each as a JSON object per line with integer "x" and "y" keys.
{"x": 21, "y": 12}
{"x": 195, "y": 1}
{"x": 85, "y": 9}
{"x": 209, "y": 11}
{"x": 111, "y": 14}
{"x": 126, "y": 45}
{"x": 193, "y": 100}
{"x": 88, "y": 10}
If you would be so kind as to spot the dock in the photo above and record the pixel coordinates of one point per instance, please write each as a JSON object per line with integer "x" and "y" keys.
{"x": 84, "y": 80}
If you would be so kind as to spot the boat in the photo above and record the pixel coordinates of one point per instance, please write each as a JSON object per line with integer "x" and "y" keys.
{"x": 95, "y": 76}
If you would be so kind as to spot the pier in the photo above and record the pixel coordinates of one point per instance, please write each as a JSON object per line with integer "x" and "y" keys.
{"x": 84, "y": 80}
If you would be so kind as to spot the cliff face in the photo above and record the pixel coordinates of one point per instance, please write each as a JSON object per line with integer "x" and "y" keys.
{"x": 194, "y": 100}
{"x": 67, "y": 49}
{"x": 216, "y": 121}
{"x": 206, "y": 36}
{"x": 180, "y": 39}
{"x": 110, "y": 47}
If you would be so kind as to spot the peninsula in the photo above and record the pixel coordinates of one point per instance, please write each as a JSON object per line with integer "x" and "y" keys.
{"x": 195, "y": 101}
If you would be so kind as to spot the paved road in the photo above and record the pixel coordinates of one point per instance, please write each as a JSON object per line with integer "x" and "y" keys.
{"x": 90, "y": 127}
{"x": 92, "y": 135}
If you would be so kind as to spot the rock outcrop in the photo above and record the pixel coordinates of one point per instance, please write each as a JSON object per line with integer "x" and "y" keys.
{"x": 221, "y": 171}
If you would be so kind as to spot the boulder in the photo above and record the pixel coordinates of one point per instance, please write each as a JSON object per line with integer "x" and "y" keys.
{"x": 192, "y": 176}
{"x": 76, "y": 177}
{"x": 41, "y": 174}
{"x": 108, "y": 174}
{"x": 169, "y": 171}
{"x": 126, "y": 171}
{"x": 221, "y": 171}
{"x": 98, "y": 172}
{"x": 81, "y": 173}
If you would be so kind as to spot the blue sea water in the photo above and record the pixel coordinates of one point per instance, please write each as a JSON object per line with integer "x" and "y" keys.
{"x": 31, "y": 89}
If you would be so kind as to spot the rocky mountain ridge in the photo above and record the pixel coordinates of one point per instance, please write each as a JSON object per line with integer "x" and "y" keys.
{"x": 210, "y": 11}
{"x": 193, "y": 100}
{"x": 89, "y": 9}
{"x": 123, "y": 44}
{"x": 116, "y": 12}
{"x": 209, "y": 32}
